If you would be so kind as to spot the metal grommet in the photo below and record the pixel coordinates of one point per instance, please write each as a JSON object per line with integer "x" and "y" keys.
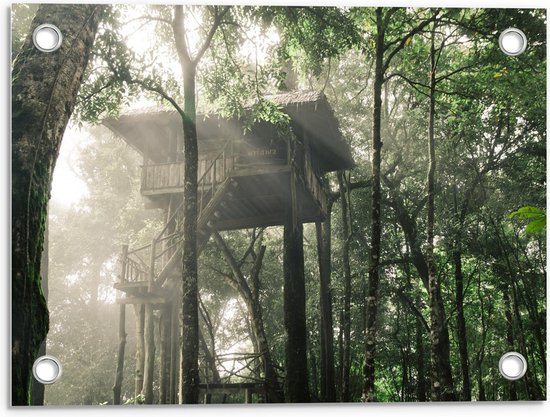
{"x": 512, "y": 366}
{"x": 47, "y": 370}
{"x": 512, "y": 42}
{"x": 47, "y": 37}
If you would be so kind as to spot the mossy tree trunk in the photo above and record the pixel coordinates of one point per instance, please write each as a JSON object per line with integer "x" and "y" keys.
{"x": 37, "y": 389}
{"x": 44, "y": 91}
{"x": 189, "y": 384}
{"x": 296, "y": 383}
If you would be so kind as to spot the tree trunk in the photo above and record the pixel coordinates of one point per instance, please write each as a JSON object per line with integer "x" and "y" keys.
{"x": 461, "y": 326}
{"x": 481, "y": 352}
{"x": 273, "y": 388}
{"x": 512, "y": 390}
{"x": 44, "y": 90}
{"x": 148, "y": 373}
{"x": 420, "y": 368}
{"x": 376, "y": 225}
{"x": 37, "y": 389}
{"x": 328, "y": 388}
{"x": 296, "y": 383}
{"x": 165, "y": 343}
{"x": 140, "y": 350}
{"x": 441, "y": 384}
{"x": 343, "y": 184}
{"x": 119, "y": 375}
{"x": 175, "y": 350}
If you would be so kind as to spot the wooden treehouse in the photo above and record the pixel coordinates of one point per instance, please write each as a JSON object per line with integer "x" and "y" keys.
{"x": 245, "y": 179}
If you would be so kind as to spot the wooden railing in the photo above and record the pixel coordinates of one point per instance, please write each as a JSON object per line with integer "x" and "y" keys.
{"x": 168, "y": 176}
{"x": 148, "y": 262}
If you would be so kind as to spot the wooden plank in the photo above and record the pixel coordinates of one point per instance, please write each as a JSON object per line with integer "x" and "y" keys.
{"x": 260, "y": 170}
{"x": 141, "y": 300}
{"x": 124, "y": 285}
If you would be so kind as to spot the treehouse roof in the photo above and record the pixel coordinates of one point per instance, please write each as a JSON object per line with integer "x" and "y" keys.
{"x": 152, "y": 131}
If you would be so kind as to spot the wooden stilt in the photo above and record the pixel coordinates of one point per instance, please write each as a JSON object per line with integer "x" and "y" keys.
{"x": 149, "y": 354}
{"x": 140, "y": 350}
{"x": 174, "y": 352}
{"x": 117, "y": 387}
{"x": 165, "y": 352}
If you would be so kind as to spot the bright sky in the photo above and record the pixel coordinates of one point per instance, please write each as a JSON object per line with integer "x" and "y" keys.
{"x": 67, "y": 187}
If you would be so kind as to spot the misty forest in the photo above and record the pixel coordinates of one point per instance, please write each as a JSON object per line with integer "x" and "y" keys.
{"x": 229, "y": 204}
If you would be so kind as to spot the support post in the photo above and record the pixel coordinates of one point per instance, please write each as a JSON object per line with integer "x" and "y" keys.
{"x": 174, "y": 351}
{"x": 165, "y": 347}
{"x": 119, "y": 376}
{"x": 149, "y": 354}
{"x": 328, "y": 387}
{"x": 140, "y": 350}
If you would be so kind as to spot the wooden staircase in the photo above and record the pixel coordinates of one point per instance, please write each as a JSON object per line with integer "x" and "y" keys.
{"x": 150, "y": 273}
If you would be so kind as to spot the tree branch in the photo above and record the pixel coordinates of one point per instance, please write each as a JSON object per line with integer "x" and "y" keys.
{"x": 217, "y": 20}
{"x": 403, "y": 41}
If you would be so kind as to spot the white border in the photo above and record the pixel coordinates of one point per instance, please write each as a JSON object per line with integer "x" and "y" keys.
{"x": 534, "y": 409}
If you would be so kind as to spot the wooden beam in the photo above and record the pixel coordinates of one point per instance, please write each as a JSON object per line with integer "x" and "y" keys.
{"x": 260, "y": 170}
{"x": 141, "y": 300}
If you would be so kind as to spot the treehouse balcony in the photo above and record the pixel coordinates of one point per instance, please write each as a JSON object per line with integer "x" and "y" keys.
{"x": 259, "y": 187}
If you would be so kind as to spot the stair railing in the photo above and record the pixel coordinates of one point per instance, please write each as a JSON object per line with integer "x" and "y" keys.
{"x": 146, "y": 262}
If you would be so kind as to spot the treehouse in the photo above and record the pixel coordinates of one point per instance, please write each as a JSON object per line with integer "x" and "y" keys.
{"x": 247, "y": 177}
{"x": 246, "y": 172}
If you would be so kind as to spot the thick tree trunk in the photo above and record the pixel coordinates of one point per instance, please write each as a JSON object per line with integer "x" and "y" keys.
{"x": 189, "y": 384}
{"x": 346, "y": 312}
{"x": 44, "y": 90}
{"x": 328, "y": 388}
{"x": 376, "y": 224}
{"x": 296, "y": 383}
{"x": 37, "y": 389}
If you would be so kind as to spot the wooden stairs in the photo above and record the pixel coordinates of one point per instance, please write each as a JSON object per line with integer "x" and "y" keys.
{"x": 150, "y": 273}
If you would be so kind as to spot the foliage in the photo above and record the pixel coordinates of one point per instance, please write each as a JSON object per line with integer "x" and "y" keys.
{"x": 535, "y": 216}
